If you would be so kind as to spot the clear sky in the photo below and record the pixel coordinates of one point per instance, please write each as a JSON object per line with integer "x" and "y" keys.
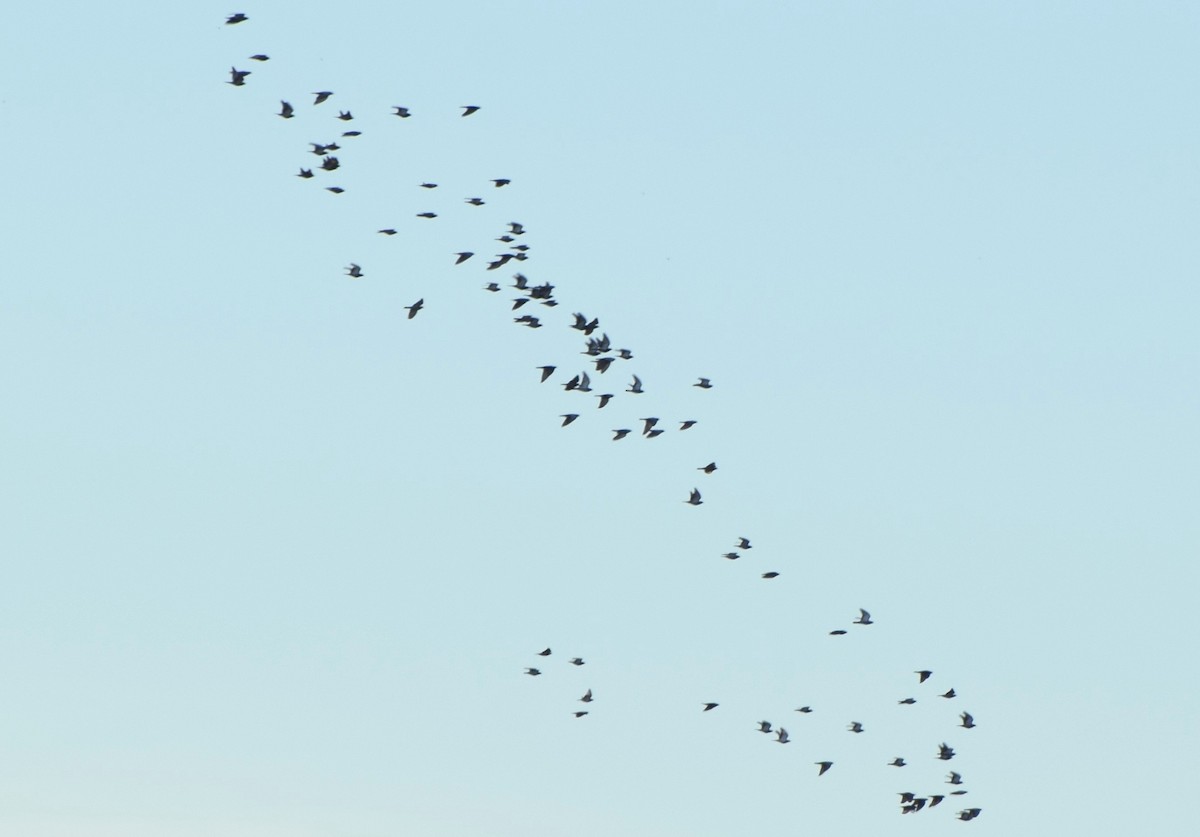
{"x": 274, "y": 557}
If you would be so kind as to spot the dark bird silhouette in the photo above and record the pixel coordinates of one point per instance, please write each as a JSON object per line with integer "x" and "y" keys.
{"x": 568, "y": 418}
{"x": 945, "y": 752}
{"x": 499, "y": 261}
{"x": 855, "y": 726}
{"x": 321, "y": 96}
{"x": 426, "y": 214}
{"x": 351, "y": 133}
{"x": 805, "y": 709}
{"x": 602, "y": 364}
{"x": 237, "y": 18}
{"x": 492, "y": 286}
{"x": 587, "y": 697}
{"x": 743, "y": 543}
{"x": 710, "y": 706}
{"x": 908, "y": 701}
{"x": 897, "y": 762}
{"x": 532, "y": 322}
{"x": 581, "y": 713}
{"x": 604, "y": 399}
{"x": 547, "y": 371}
{"x": 689, "y": 423}
{"x": 237, "y": 77}
{"x": 403, "y": 113}
{"x": 428, "y": 185}
{"x": 463, "y": 256}
{"x": 515, "y": 229}
{"x": 764, "y": 726}
{"x": 709, "y": 468}
{"x": 414, "y": 308}
{"x": 585, "y": 383}
{"x": 576, "y": 661}
{"x": 260, "y": 57}
{"x": 636, "y": 386}
{"x": 924, "y": 675}
{"x": 625, "y": 354}
{"x": 781, "y": 735}
{"x": 571, "y": 384}
{"x": 704, "y": 383}
{"x": 621, "y": 434}
{"x": 545, "y": 653}
{"x": 388, "y": 231}
{"x": 506, "y": 238}
{"x": 286, "y": 110}
{"x": 967, "y": 721}
{"x": 501, "y": 181}
{"x": 838, "y": 632}
{"x": 968, "y": 814}
{"x": 654, "y": 434}
{"x": 330, "y": 163}
{"x": 345, "y": 115}
{"x": 824, "y": 765}
{"x": 649, "y": 423}
{"x": 935, "y": 799}
{"x": 949, "y": 693}
{"x": 337, "y": 190}
{"x": 534, "y": 672}
{"x": 467, "y": 110}
{"x": 520, "y": 282}
{"x": 954, "y": 778}
{"x": 771, "y": 574}
{"x": 917, "y": 805}
{"x": 907, "y": 797}
{"x": 864, "y": 618}
{"x": 354, "y": 270}
{"x": 475, "y": 201}
{"x": 305, "y": 173}
{"x": 694, "y": 499}
{"x": 732, "y": 556}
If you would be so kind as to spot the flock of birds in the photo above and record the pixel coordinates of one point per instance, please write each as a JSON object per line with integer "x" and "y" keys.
{"x": 602, "y": 355}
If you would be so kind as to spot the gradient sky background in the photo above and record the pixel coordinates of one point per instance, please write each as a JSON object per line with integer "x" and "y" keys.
{"x": 275, "y": 556}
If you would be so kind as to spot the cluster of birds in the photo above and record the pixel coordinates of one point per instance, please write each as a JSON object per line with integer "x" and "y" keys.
{"x": 602, "y": 354}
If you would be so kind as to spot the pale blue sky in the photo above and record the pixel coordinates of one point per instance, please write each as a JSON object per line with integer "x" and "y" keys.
{"x": 275, "y": 556}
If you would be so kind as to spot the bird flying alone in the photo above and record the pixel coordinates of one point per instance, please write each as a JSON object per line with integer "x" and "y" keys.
{"x": 414, "y": 308}
{"x": 501, "y": 181}
{"x": 694, "y": 500}
{"x": 403, "y": 113}
{"x": 771, "y": 574}
{"x": 354, "y": 271}
{"x": 636, "y": 386}
{"x": 764, "y": 726}
{"x": 824, "y": 765}
{"x": 781, "y": 735}
{"x": 710, "y": 706}
{"x": 547, "y": 371}
{"x": 924, "y": 675}
{"x": 743, "y": 543}
{"x": 236, "y": 18}
{"x": 855, "y": 726}
{"x": 463, "y": 256}
{"x": 237, "y": 77}
{"x": 576, "y": 661}
{"x": 621, "y": 433}
{"x": 864, "y": 618}
{"x": 533, "y": 672}
{"x": 544, "y": 653}
{"x": 568, "y": 418}
{"x": 967, "y": 721}
{"x": 260, "y": 57}
{"x": 703, "y": 383}
{"x": 587, "y": 697}
{"x": 467, "y": 110}
{"x": 709, "y": 468}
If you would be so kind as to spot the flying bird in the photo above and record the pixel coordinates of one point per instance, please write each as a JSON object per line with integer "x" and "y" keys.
{"x": 621, "y": 434}
{"x": 426, "y": 214}
{"x": 945, "y": 752}
{"x": 897, "y": 762}
{"x": 260, "y": 57}
{"x": 403, "y": 113}
{"x": 351, "y": 133}
{"x": 475, "y": 201}
{"x": 743, "y": 543}
{"x": 463, "y": 256}
{"x": 604, "y": 399}
{"x": 533, "y": 672}
{"x": 547, "y": 371}
{"x": 527, "y": 320}
{"x": 704, "y": 383}
{"x": 469, "y": 109}
{"x": 855, "y": 727}
{"x": 545, "y": 653}
{"x": 709, "y": 468}
{"x": 576, "y": 661}
{"x": 580, "y": 714}
{"x": 286, "y": 110}
{"x": 710, "y": 706}
{"x": 949, "y": 693}
{"x": 492, "y": 286}
{"x": 825, "y": 765}
{"x": 924, "y": 675}
{"x": 501, "y": 181}
{"x": 781, "y": 735}
{"x": 685, "y": 425}
{"x": 516, "y": 229}
{"x": 388, "y": 231}
{"x": 805, "y": 709}
{"x": 732, "y": 556}
{"x": 954, "y": 778}
{"x": 568, "y": 418}
{"x": 654, "y": 434}
{"x": 764, "y": 726}
{"x": 238, "y": 77}
{"x": 321, "y": 96}
{"x": 587, "y": 697}
{"x": 694, "y": 499}
{"x": 337, "y": 190}
{"x": 649, "y": 423}
{"x": 305, "y": 173}
{"x": 237, "y": 18}
{"x": 935, "y": 799}
{"x": 838, "y": 632}
{"x": 969, "y": 814}
{"x": 967, "y": 721}
{"x": 636, "y": 386}
{"x": 625, "y": 354}
{"x": 428, "y": 185}
{"x": 602, "y": 364}
{"x": 354, "y": 270}
{"x": 907, "y": 701}
{"x": 770, "y": 575}
{"x": 864, "y": 618}
{"x": 414, "y": 308}
{"x": 330, "y": 164}
{"x": 345, "y": 115}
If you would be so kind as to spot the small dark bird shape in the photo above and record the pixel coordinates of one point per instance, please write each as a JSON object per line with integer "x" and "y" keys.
{"x": 238, "y": 77}
{"x": 469, "y": 109}
{"x": 954, "y": 778}
{"x": 260, "y": 57}
{"x": 732, "y": 556}
{"x": 330, "y": 163}
{"x": 587, "y": 697}
{"x": 897, "y": 762}
{"x": 463, "y": 256}
{"x": 499, "y": 261}
{"x": 710, "y": 706}
{"x": 501, "y": 181}
{"x": 781, "y": 735}
{"x": 689, "y": 423}
{"x": 475, "y": 201}
{"x": 428, "y": 185}
{"x": 403, "y": 113}
{"x": 917, "y": 805}
{"x": 949, "y": 693}
{"x": 506, "y": 238}
{"x": 533, "y": 672}
{"x": 576, "y": 661}
{"x": 709, "y": 468}
{"x": 354, "y": 270}
{"x": 286, "y": 110}
{"x": 703, "y": 384}
{"x": 855, "y": 727}
{"x": 945, "y": 752}
{"x": 580, "y": 714}
{"x": 864, "y": 618}
{"x": 969, "y": 814}
{"x": 520, "y": 283}
{"x": 305, "y": 173}
{"x": 743, "y": 543}
{"x": 602, "y": 364}
{"x": 764, "y": 726}
{"x": 770, "y": 575}
{"x": 337, "y": 190}
{"x": 654, "y": 434}
{"x": 545, "y": 653}
{"x": 825, "y": 765}
{"x": 967, "y": 721}
{"x": 571, "y": 384}
{"x": 426, "y": 214}
{"x": 414, "y": 308}
{"x": 625, "y": 354}
{"x": 532, "y": 322}
{"x": 547, "y": 371}
{"x": 906, "y": 797}
{"x": 838, "y": 632}
{"x": 604, "y": 399}
{"x": 388, "y": 231}
{"x": 935, "y": 799}
{"x": 924, "y": 675}
{"x": 492, "y": 286}
{"x": 649, "y": 423}
{"x": 322, "y": 96}
{"x": 621, "y": 434}
{"x": 694, "y": 499}
{"x": 568, "y": 418}
{"x": 237, "y": 18}
{"x": 907, "y": 701}
{"x": 636, "y": 386}
{"x": 516, "y": 229}
{"x": 805, "y": 709}
{"x": 345, "y": 115}
{"x": 351, "y": 133}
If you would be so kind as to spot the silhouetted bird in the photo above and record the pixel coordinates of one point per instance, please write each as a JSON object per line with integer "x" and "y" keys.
{"x": 935, "y": 799}
{"x": 237, "y": 18}
{"x": 771, "y": 574}
{"x": 354, "y": 270}
{"x": 286, "y": 110}
{"x": 649, "y": 423}
{"x": 351, "y": 133}
{"x": 520, "y": 283}
{"x": 967, "y": 721}
{"x": 732, "y": 556}
{"x": 855, "y": 727}
{"x": 781, "y": 735}
{"x": 709, "y": 468}
{"x": 709, "y": 706}
{"x": 321, "y": 96}
{"x": 764, "y": 726}
{"x": 238, "y": 77}
{"x": 428, "y": 185}
{"x": 337, "y": 190}
{"x": 703, "y": 384}
{"x": 475, "y": 201}
{"x": 581, "y": 713}
{"x": 604, "y": 399}
{"x": 545, "y": 653}
{"x": 694, "y": 499}
{"x": 838, "y": 632}
{"x": 501, "y": 181}
{"x": 621, "y": 434}
{"x": 388, "y": 231}
{"x": 945, "y": 752}
{"x": 414, "y": 308}
{"x": 467, "y": 110}
{"x": 954, "y": 778}
{"x": 492, "y": 286}
{"x": 908, "y": 701}
{"x": 330, "y": 163}
{"x": 864, "y": 618}
{"x": 684, "y": 425}
{"x": 969, "y": 814}
{"x": 654, "y": 434}
{"x": 897, "y": 762}
{"x": 587, "y": 697}
{"x": 305, "y": 173}
{"x": 907, "y": 797}
{"x": 515, "y": 229}
{"x": 805, "y": 709}
{"x": 568, "y": 418}
{"x": 345, "y": 115}
{"x": 533, "y": 671}
{"x": 949, "y": 693}
{"x": 625, "y": 354}
{"x": 576, "y": 661}
{"x": 260, "y": 57}
{"x": 499, "y": 261}
{"x": 426, "y": 214}
{"x": 463, "y": 256}
{"x": 825, "y": 765}
{"x": 602, "y": 364}
{"x": 924, "y": 675}
{"x": 636, "y": 386}
{"x": 743, "y": 543}
{"x": 403, "y": 113}
{"x": 547, "y": 371}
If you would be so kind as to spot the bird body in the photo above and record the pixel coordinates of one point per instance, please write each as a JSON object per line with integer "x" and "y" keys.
{"x": 694, "y": 500}
{"x": 824, "y": 765}
{"x": 415, "y": 307}
{"x": 237, "y": 18}
{"x": 286, "y": 110}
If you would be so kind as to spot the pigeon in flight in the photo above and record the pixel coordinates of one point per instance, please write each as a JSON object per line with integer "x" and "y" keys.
{"x": 428, "y": 185}
{"x": 604, "y": 399}
{"x": 305, "y": 173}
{"x": 781, "y": 735}
{"x": 286, "y": 110}
{"x": 237, "y": 18}
{"x": 345, "y": 115}
{"x": 467, "y": 110}
{"x": 897, "y": 762}
{"x": 945, "y": 752}
{"x": 260, "y": 57}
{"x": 238, "y": 77}
{"x": 949, "y": 693}
{"x": 531, "y": 322}
{"x": 710, "y": 706}
{"x": 516, "y": 229}
{"x": 321, "y": 96}
{"x": 568, "y": 418}
{"x": 743, "y": 543}
{"x": 704, "y": 383}
{"x": 907, "y": 701}
{"x": 602, "y": 364}
{"x": 924, "y": 675}
{"x": 354, "y": 271}
{"x": 351, "y": 133}
{"x": 855, "y": 727}
{"x": 824, "y": 765}
{"x": 571, "y": 384}
{"x": 907, "y": 797}
{"x": 709, "y": 468}
{"x": 533, "y": 672}
{"x": 864, "y": 618}
{"x": 587, "y": 697}
{"x": 545, "y": 653}
{"x": 917, "y": 805}
{"x": 330, "y": 164}
{"x": 576, "y": 661}
{"x": 969, "y": 814}
{"x": 967, "y": 721}
{"x": 475, "y": 201}
{"x": 636, "y": 386}
{"x": 935, "y": 799}
{"x": 492, "y": 286}
{"x": 838, "y": 632}
{"x": 580, "y": 714}
{"x": 337, "y": 190}
{"x": 650, "y": 422}
{"x": 621, "y": 434}
{"x": 732, "y": 556}
{"x": 805, "y": 709}
{"x": 653, "y": 434}
{"x": 501, "y": 181}
{"x": 694, "y": 499}
{"x": 547, "y": 371}
{"x": 426, "y": 214}
{"x": 463, "y": 256}
{"x": 954, "y": 778}
{"x": 764, "y": 726}
{"x": 388, "y": 231}
{"x": 403, "y": 113}
{"x": 771, "y": 574}
{"x": 685, "y": 425}
{"x": 414, "y": 308}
